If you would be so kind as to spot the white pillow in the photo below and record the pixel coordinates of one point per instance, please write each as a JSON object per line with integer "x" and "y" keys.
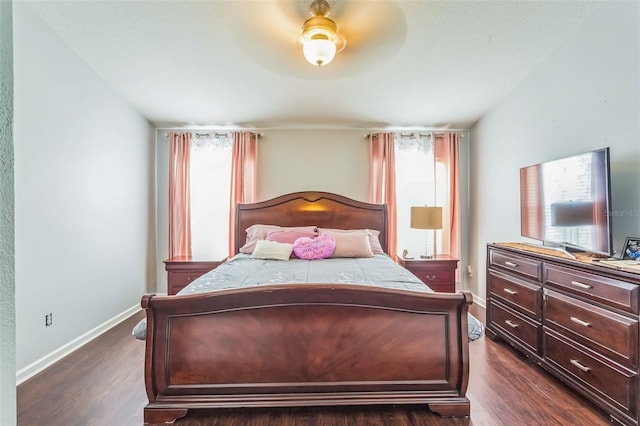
{"x": 266, "y": 249}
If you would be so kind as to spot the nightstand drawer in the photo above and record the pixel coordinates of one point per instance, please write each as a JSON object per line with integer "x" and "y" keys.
{"x": 438, "y": 273}
{"x": 181, "y": 271}
{"x": 183, "y": 278}
{"x": 431, "y": 277}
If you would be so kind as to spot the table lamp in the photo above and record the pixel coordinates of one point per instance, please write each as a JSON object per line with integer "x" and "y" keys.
{"x": 427, "y": 218}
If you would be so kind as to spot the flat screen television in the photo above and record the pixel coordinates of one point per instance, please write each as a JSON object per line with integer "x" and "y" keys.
{"x": 565, "y": 203}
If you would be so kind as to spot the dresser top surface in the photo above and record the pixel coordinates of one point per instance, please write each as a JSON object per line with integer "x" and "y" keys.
{"x": 582, "y": 260}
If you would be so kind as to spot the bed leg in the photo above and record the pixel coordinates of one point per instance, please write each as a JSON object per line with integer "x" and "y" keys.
{"x": 163, "y": 415}
{"x": 451, "y": 409}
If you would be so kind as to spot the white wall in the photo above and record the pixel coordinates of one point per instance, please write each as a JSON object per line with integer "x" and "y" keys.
{"x": 7, "y": 248}
{"x": 85, "y": 248}
{"x": 314, "y": 160}
{"x": 584, "y": 96}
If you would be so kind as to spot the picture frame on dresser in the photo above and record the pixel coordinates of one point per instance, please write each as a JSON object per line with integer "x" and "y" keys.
{"x": 631, "y": 249}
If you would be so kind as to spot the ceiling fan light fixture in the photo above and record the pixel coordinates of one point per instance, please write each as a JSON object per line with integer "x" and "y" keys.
{"x": 319, "y": 35}
{"x": 319, "y": 51}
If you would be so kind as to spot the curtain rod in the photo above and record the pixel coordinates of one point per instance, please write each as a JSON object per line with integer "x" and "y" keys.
{"x": 413, "y": 135}
{"x": 216, "y": 135}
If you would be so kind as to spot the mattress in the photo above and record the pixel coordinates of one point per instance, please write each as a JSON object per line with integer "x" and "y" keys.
{"x": 242, "y": 271}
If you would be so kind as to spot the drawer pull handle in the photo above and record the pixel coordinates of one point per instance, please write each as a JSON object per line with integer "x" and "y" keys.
{"x": 430, "y": 277}
{"x": 580, "y": 366}
{"x": 581, "y": 285}
{"x": 579, "y": 321}
{"x": 511, "y": 324}
{"x": 511, "y": 292}
{"x": 513, "y": 265}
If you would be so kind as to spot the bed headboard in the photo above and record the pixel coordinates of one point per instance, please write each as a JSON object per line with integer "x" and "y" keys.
{"x": 323, "y": 209}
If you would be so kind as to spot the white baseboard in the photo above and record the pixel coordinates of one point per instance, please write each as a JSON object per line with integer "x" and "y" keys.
{"x": 37, "y": 366}
{"x": 480, "y": 301}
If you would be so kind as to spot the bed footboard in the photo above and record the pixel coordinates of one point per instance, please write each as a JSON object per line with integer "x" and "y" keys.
{"x": 306, "y": 345}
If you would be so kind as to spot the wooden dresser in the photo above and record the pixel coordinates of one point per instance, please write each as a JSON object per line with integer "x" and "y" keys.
{"x": 439, "y": 273}
{"x": 575, "y": 318}
{"x": 182, "y": 270}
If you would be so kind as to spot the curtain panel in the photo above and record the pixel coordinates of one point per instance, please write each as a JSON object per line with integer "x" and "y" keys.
{"x": 244, "y": 176}
{"x": 179, "y": 195}
{"x": 382, "y": 181}
{"x": 446, "y": 152}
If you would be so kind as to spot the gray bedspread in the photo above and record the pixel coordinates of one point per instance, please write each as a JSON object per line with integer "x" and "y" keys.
{"x": 243, "y": 271}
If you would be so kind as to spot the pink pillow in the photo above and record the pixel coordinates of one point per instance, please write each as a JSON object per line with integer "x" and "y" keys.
{"x": 289, "y": 236}
{"x": 259, "y": 232}
{"x": 314, "y": 248}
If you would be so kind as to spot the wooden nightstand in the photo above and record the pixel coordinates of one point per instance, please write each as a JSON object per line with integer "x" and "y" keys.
{"x": 182, "y": 270}
{"x": 438, "y": 273}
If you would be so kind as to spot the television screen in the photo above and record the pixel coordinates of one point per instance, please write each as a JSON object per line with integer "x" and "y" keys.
{"x": 566, "y": 202}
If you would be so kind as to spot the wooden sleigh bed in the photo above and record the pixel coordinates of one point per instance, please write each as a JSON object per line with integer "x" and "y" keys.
{"x": 306, "y": 345}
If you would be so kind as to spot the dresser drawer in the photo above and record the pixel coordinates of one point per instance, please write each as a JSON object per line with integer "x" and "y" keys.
{"x": 607, "y": 332}
{"x": 520, "y": 295}
{"x": 525, "y": 331}
{"x": 615, "y": 385}
{"x": 607, "y": 291}
{"x": 530, "y": 268}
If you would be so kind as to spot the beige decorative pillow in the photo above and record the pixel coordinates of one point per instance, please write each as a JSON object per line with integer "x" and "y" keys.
{"x": 374, "y": 237}
{"x": 272, "y": 250}
{"x": 350, "y": 243}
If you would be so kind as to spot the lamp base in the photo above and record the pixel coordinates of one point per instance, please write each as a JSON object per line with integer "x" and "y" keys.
{"x": 426, "y": 256}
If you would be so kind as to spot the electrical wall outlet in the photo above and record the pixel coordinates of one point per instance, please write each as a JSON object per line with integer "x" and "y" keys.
{"x": 470, "y": 271}
{"x": 48, "y": 319}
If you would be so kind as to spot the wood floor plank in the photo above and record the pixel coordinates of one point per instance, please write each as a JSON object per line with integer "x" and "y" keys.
{"x": 102, "y": 384}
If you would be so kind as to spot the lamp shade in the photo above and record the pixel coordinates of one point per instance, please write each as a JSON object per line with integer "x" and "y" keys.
{"x": 426, "y": 217}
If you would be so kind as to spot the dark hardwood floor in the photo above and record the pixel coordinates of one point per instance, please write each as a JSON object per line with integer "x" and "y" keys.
{"x": 102, "y": 384}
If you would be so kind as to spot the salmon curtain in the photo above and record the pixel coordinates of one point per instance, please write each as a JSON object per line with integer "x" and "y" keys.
{"x": 179, "y": 195}
{"x": 446, "y": 152}
{"x": 244, "y": 176}
{"x": 382, "y": 181}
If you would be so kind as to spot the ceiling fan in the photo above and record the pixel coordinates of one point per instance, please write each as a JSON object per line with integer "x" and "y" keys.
{"x": 320, "y": 36}
{"x": 276, "y": 34}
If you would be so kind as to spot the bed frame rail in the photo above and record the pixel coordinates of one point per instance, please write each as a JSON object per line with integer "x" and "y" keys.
{"x": 306, "y": 345}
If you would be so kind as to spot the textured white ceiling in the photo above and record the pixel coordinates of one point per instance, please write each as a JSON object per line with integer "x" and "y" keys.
{"x": 431, "y": 64}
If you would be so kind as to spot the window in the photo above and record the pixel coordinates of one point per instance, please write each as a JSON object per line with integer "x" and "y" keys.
{"x": 419, "y": 182}
{"x": 210, "y": 176}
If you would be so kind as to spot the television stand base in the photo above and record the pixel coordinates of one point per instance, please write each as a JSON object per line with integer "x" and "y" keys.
{"x": 561, "y": 250}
